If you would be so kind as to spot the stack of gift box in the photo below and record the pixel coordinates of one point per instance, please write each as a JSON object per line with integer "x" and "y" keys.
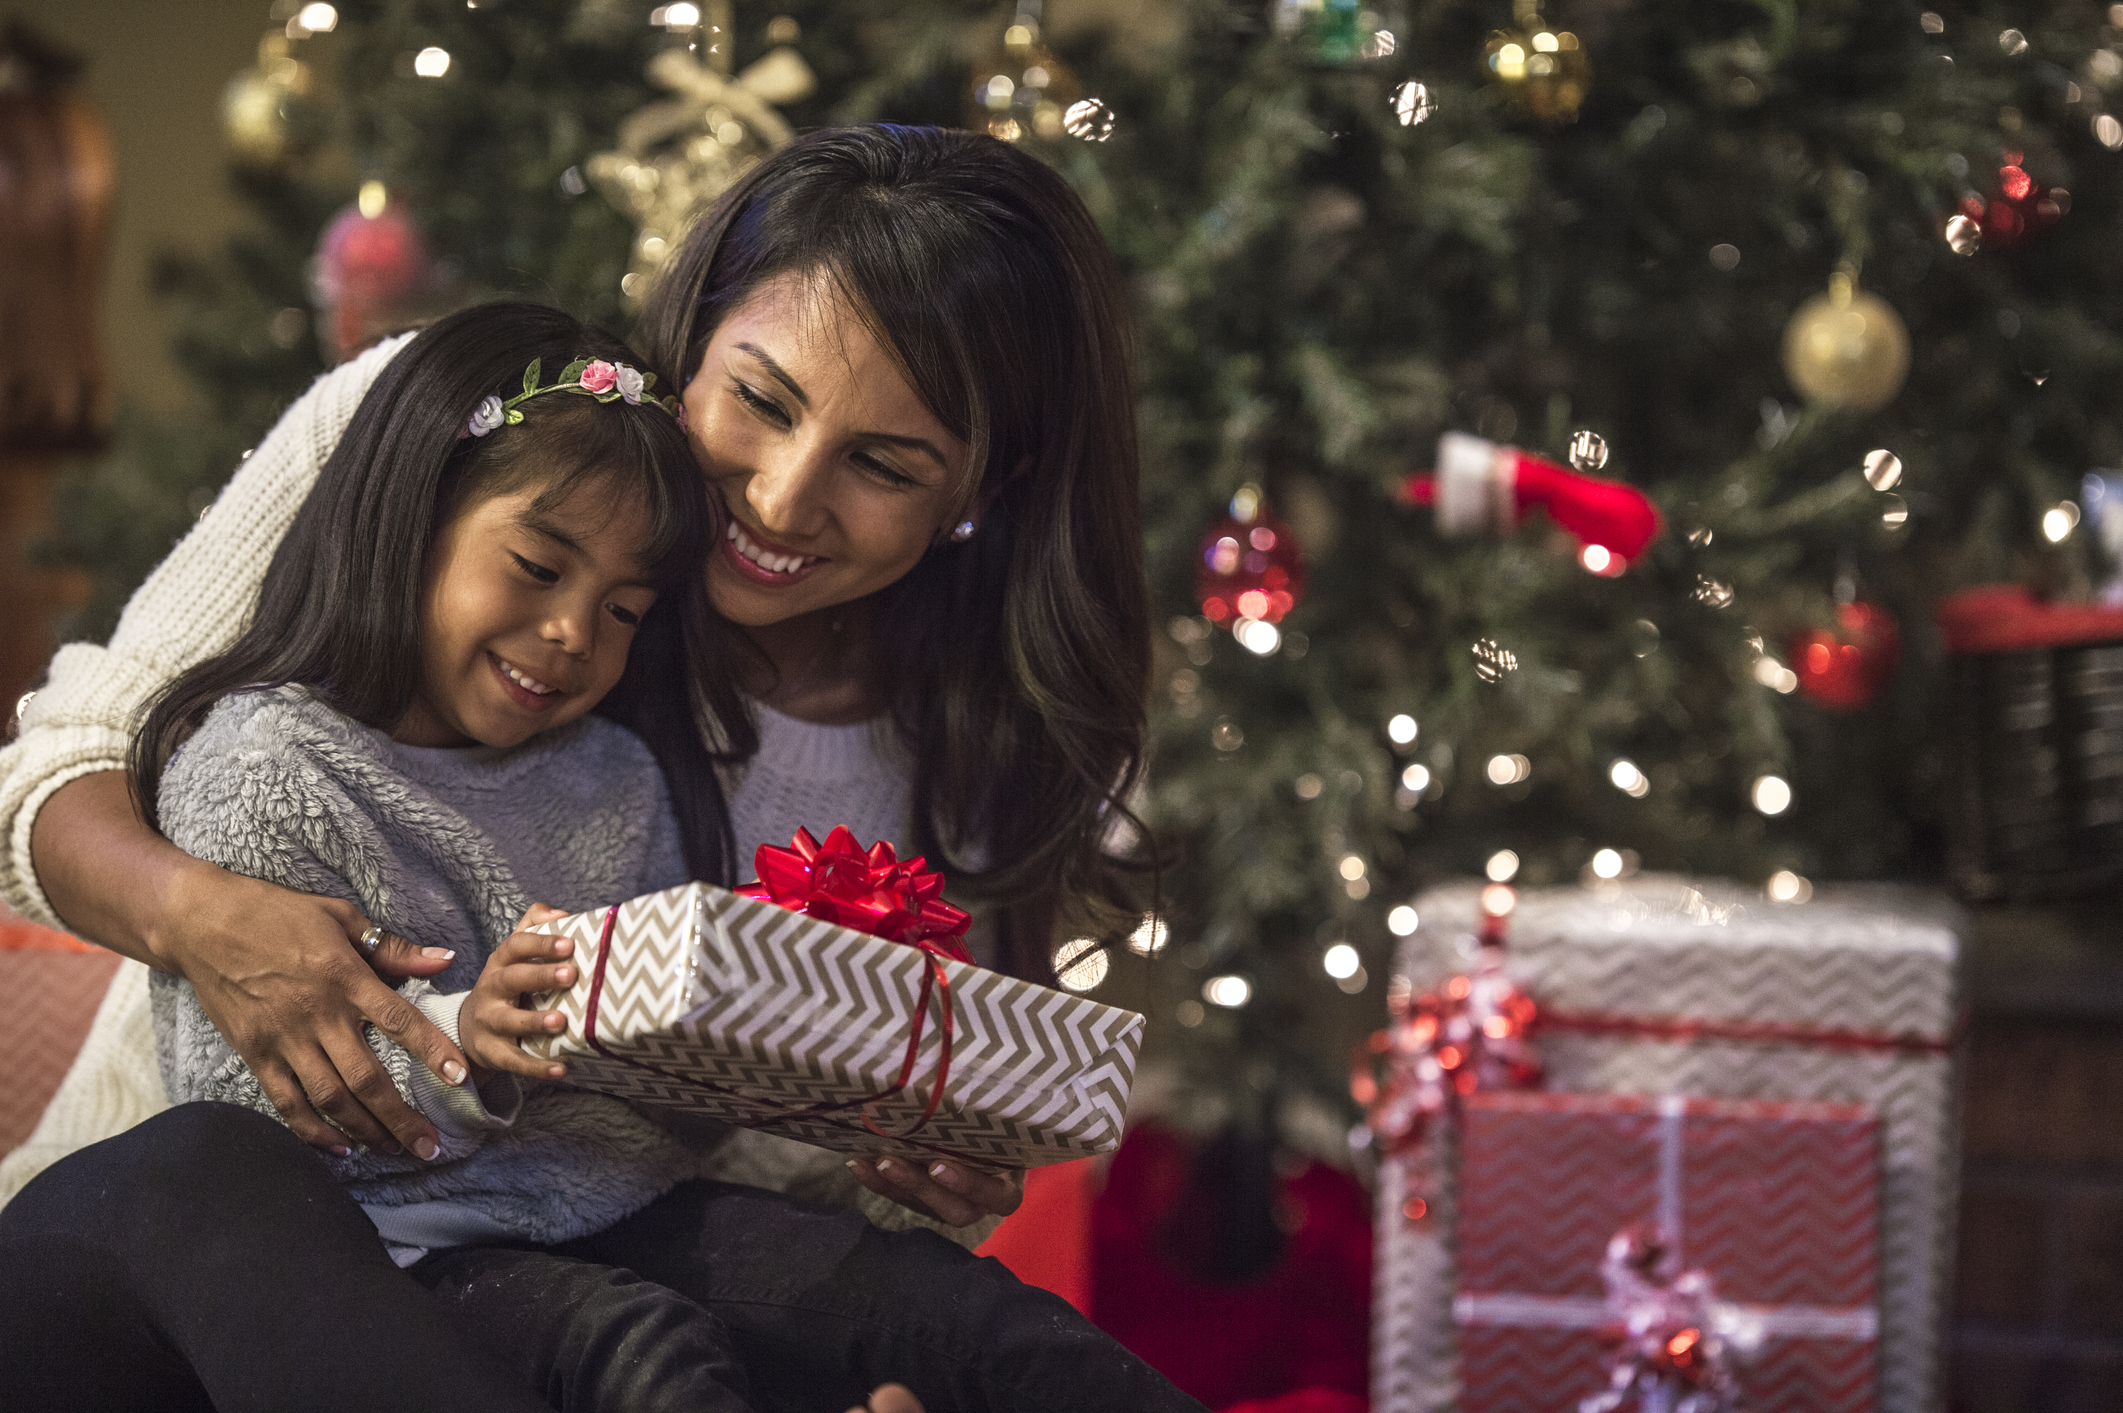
{"x": 1724, "y": 1177}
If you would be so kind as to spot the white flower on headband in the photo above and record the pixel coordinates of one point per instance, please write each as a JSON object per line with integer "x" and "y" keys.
{"x": 486, "y": 417}
{"x": 630, "y": 384}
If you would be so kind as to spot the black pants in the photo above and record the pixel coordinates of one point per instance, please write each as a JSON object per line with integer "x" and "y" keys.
{"x": 207, "y": 1259}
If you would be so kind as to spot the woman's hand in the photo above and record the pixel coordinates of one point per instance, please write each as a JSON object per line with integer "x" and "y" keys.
{"x": 494, "y": 1022}
{"x": 284, "y": 979}
{"x": 279, "y": 973}
{"x": 890, "y": 1398}
{"x": 948, "y": 1192}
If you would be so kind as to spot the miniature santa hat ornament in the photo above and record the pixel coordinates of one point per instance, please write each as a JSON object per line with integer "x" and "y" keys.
{"x": 1480, "y": 487}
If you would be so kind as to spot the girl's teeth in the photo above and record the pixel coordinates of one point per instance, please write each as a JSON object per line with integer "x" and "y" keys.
{"x": 529, "y": 684}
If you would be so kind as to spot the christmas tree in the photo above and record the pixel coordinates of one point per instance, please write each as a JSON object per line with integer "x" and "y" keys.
{"x": 1832, "y": 282}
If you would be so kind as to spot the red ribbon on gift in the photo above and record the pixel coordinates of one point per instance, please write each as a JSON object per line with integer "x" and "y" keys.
{"x": 869, "y": 891}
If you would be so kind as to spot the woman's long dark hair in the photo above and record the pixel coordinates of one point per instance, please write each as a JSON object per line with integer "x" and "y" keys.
{"x": 1023, "y": 654}
{"x": 341, "y": 607}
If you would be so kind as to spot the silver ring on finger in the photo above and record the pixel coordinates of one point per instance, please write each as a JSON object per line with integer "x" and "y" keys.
{"x": 371, "y": 938}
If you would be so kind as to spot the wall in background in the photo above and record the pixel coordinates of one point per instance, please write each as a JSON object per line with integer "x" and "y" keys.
{"x": 155, "y": 70}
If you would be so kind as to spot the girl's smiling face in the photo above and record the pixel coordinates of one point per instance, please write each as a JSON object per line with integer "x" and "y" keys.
{"x": 837, "y": 477}
{"x": 528, "y": 615}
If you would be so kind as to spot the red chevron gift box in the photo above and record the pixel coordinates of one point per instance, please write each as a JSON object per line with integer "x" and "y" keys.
{"x": 1662, "y": 985}
{"x": 699, "y": 998}
{"x": 1759, "y": 1290}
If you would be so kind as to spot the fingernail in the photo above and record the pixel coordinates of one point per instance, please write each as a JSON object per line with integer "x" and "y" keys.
{"x": 888, "y": 1169}
{"x": 391, "y": 1147}
{"x": 428, "y": 1149}
{"x": 340, "y": 1150}
{"x": 566, "y": 976}
{"x": 453, "y": 1072}
{"x": 440, "y": 954}
{"x": 554, "y": 1020}
{"x": 557, "y": 1071}
{"x": 940, "y": 1170}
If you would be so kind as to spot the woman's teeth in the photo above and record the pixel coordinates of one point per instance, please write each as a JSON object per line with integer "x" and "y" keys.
{"x": 774, "y": 563}
{"x": 530, "y": 684}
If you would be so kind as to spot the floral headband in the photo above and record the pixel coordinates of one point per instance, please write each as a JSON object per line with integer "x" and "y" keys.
{"x": 592, "y": 377}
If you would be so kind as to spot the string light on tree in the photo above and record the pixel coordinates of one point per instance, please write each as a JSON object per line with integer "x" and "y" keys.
{"x": 1625, "y": 777}
{"x": 1784, "y": 886}
{"x": 1413, "y": 103}
{"x": 1402, "y": 921}
{"x": 1770, "y": 794}
{"x": 1149, "y": 937}
{"x": 1081, "y": 964}
{"x": 2059, "y": 521}
{"x": 1502, "y": 867}
{"x": 1402, "y": 731}
{"x": 1230, "y": 992}
{"x": 1883, "y": 469}
{"x": 1606, "y": 864}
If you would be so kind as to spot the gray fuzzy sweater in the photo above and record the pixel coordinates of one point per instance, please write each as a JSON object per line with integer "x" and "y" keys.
{"x": 449, "y": 847}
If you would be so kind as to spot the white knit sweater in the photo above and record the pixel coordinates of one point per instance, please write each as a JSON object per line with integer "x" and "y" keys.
{"x": 194, "y": 605}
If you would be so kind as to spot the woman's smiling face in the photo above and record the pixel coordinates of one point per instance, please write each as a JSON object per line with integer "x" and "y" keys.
{"x": 837, "y": 477}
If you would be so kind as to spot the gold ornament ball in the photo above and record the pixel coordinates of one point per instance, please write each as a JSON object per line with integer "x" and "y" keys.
{"x": 1847, "y": 348}
{"x": 1544, "y": 71}
{"x": 265, "y": 114}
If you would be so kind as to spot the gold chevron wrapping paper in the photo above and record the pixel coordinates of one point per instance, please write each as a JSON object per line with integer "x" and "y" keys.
{"x": 756, "y": 1015}
{"x": 1864, "y": 960}
{"x": 1776, "y": 1201}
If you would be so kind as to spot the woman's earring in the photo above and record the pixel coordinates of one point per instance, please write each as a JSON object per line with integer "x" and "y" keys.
{"x": 963, "y": 532}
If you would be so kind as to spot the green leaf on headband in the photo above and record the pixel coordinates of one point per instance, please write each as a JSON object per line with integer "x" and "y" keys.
{"x": 573, "y": 372}
{"x": 512, "y": 416}
{"x": 648, "y": 380}
{"x": 530, "y": 376}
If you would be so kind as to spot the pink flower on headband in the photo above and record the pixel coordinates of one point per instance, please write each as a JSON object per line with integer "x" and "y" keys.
{"x": 599, "y": 376}
{"x": 630, "y": 384}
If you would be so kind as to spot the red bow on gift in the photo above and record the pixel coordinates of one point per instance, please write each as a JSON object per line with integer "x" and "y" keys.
{"x": 1675, "y": 1340}
{"x": 1468, "y": 1035}
{"x": 873, "y": 892}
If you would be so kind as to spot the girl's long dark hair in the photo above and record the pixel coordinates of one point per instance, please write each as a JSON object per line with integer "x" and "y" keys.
{"x": 341, "y": 607}
{"x": 1023, "y": 654}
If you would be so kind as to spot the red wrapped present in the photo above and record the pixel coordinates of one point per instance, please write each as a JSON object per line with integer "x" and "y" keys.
{"x": 1625, "y": 1252}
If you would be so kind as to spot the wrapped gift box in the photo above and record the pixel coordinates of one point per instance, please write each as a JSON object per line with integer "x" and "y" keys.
{"x": 696, "y": 998}
{"x": 1775, "y": 1202}
{"x": 1668, "y": 986}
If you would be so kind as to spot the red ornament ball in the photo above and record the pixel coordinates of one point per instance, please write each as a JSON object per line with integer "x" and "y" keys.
{"x": 1249, "y": 566}
{"x": 1844, "y": 667}
{"x": 2020, "y": 210}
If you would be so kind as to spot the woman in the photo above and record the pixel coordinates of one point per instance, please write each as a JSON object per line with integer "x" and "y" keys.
{"x": 906, "y": 374}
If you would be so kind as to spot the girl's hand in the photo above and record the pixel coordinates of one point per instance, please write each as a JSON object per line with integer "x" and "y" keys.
{"x": 890, "y": 1398}
{"x": 948, "y": 1193}
{"x": 495, "y": 1019}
